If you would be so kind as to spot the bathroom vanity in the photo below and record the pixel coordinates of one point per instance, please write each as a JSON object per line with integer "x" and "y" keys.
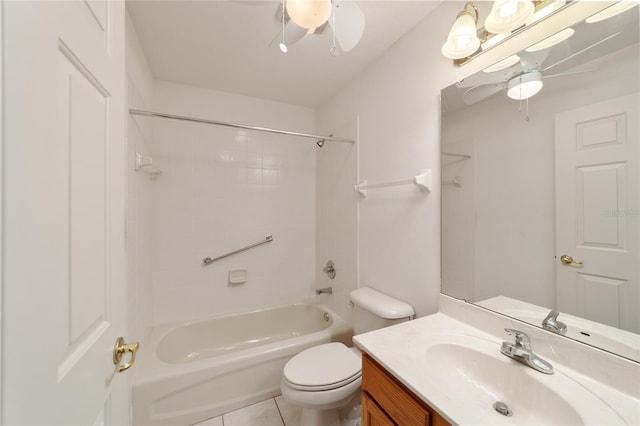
{"x": 448, "y": 368}
{"x": 386, "y": 401}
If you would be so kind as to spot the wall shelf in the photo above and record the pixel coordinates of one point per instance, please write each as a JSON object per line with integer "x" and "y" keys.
{"x": 423, "y": 180}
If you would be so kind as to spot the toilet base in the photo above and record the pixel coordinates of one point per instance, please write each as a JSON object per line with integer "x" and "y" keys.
{"x": 347, "y": 415}
{"x": 311, "y": 417}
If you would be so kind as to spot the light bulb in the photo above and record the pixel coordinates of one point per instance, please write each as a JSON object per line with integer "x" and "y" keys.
{"x": 463, "y": 39}
{"x": 507, "y": 15}
{"x": 524, "y": 86}
{"x": 309, "y": 13}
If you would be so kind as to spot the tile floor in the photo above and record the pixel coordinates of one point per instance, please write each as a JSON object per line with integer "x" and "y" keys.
{"x": 272, "y": 412}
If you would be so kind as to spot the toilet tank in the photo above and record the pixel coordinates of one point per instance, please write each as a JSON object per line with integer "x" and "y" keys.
{"x": 373, "y": 310}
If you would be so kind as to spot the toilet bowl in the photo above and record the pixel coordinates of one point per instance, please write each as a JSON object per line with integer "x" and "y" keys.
{"x": 325, "y": 380}
{"x": 321, "y": 380}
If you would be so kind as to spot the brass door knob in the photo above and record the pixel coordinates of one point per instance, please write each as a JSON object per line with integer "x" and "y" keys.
{"x": 120, "y": 349}
{"x": 568, "y": 260}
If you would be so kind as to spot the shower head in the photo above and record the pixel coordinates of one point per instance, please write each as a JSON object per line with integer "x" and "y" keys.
{"x": 320, "y": 142}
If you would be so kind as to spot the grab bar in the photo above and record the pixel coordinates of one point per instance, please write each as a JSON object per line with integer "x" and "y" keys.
{"x": 209, "y": 260}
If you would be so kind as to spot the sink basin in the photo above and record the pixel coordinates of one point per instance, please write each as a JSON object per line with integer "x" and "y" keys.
{"x": 477, "y": 373}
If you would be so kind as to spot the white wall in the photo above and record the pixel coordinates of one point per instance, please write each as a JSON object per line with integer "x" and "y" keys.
{"x": 396, "y": 101}
{"x": 139, "y": 135}
{"x": 514, "y": 236}
{"x": 222, "y": 189}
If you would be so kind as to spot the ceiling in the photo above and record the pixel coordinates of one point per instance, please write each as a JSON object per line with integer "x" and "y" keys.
{"x": 227, "y": 46}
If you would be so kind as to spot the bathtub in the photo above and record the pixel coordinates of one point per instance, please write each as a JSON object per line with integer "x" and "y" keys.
{"x": 192, "y": 371}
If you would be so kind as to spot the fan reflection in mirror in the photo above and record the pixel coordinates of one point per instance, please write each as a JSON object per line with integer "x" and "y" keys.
{"x": 525, "y": 85}
{"x": 521, "y": 75}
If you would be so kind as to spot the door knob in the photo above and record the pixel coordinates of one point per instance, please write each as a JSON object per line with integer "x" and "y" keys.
{"x": 568, "y": 260}
{"x": 122, "y": 348}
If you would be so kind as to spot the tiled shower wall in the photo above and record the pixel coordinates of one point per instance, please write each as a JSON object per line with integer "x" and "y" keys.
{"x": 222, "y": 189}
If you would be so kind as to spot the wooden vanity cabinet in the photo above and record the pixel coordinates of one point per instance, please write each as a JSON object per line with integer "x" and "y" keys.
{"x": 387, "y": 402}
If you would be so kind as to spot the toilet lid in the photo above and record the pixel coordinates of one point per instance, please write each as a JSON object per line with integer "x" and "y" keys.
{"x": 323, "y": 367}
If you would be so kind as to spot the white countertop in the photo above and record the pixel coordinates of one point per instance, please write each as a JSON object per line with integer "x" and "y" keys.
{"x": 402, "y": 350}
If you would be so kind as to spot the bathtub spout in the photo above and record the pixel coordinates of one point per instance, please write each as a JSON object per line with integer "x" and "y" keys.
{"x": 326, "y": 290}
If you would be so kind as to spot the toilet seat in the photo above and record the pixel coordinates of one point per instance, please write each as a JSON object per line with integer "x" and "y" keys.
{"x": 324, "y": 367}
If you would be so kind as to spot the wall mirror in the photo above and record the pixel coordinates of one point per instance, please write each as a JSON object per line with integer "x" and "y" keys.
{"x": 541, "y": 185}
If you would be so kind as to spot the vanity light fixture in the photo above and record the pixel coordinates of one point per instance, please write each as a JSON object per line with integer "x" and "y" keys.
{"x": 551, "y": 41}
{"x": 546, "y": 10}
{"x": 611, "y": 11}
{"x": 493, "y": 40}
{"x": 507, "y": 15}
{"x": 525, "y": 85}
{"x": 309, "y": 13}
{"x": 463, "y": 37}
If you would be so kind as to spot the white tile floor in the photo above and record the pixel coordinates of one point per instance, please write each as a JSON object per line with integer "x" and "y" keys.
{"x": 272, "y": 412}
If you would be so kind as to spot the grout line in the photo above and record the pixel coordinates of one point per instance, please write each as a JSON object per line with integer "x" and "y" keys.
{"x": 279, "y": 412}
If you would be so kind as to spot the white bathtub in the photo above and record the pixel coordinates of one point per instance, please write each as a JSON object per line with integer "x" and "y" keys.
{"x": 193, "y": 371}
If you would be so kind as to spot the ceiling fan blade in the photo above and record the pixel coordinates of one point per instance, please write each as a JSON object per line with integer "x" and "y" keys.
{"x": 480, "y": 93}
{"x": 349, "y": 24}
{"x": 581, "y": 51}
{"x": 533, "y": 60}
{"x": 479, "y": 79}
{"x": 563, "y": 74}
{"x": 292, "y": 34}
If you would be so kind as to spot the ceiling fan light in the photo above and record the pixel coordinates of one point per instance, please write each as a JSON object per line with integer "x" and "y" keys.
{"x": 309, "y": 13}
{"x": 463, "y": 38}
{"x": 525, "y": 85}
{"x": 507, "y": 15}
{"x": 548, "y": 42}
{"x": 610, "y": 12}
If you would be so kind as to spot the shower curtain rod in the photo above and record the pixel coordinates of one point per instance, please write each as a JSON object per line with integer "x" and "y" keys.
{"x": 235, "y": 125}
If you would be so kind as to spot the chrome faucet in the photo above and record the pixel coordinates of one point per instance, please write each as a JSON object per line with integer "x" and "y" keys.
{"x": 326, "y": 290}
{"x": 521, "y": 352}
{"x": 551, "y": 323}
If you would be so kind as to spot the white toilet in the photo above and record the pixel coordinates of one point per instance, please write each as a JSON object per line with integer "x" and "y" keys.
{"x": 327, "y": 378}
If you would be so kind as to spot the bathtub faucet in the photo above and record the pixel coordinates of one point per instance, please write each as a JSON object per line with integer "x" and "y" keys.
{"x": 326, "y": 290}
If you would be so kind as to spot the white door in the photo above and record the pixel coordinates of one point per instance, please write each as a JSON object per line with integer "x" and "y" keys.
{"x": 597, "y": 191}
{"x": 64, "y": 299}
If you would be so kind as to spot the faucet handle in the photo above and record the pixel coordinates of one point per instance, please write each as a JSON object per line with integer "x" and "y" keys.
{"x": 522, "y": 340}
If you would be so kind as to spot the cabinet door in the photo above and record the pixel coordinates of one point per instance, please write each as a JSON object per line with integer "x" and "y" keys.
{"x": 396, "y": 401}
{"x": 372, "y": 415}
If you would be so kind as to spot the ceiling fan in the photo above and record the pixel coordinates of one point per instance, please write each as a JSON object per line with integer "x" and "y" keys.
{"x": 343, "y": 17}
{"x": 521, "y": 75}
